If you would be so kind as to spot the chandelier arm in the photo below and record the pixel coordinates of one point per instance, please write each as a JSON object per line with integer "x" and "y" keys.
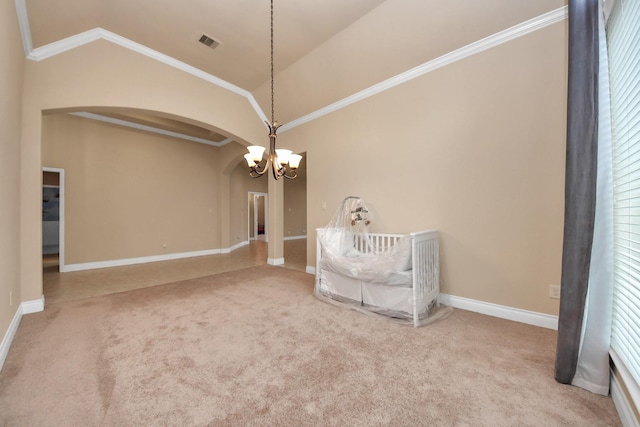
{"x": 254, "y": 172}
{"x": 273, "y": 160}
{"x": 277, "y": 171}
{"x": 295, "y": 174}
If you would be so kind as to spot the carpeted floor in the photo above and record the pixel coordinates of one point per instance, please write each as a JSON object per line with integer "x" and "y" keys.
{"x": 255, "y": 347}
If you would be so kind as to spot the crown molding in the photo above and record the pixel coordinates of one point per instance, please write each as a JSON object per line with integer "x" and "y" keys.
{"x": 77, "y": 40}
{"x": 63, "y": 45}
{"x": 80, "y": 39}
{"x": 481, "y": 45}
{"x": 138, "y": 126}
{"x": 25, "y": 28}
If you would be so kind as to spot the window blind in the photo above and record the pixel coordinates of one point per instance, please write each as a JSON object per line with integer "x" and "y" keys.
{"x": 623, "y": 39}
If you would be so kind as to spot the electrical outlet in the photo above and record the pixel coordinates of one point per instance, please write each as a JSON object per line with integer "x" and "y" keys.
{"x": 554, "y": 291}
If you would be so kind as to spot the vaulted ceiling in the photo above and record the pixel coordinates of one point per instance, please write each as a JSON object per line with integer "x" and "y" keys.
{"x": 367, "y": 41}
{"x": 173, "y": 27}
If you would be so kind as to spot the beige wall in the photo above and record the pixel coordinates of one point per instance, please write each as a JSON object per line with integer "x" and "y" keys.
{"x": 391, "y": 39}
{"x": 295, "y": 203}
{"x": 295, "y": 209}
{"x": 131, "y": 193}
{"x": 101, "y": 74}
{"x": 475, "y": 150}
{"x": 11, "y": 72}
{"x": 241, "y": 185}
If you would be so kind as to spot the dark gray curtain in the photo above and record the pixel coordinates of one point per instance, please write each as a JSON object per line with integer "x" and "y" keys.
{"x": 580, "y": 183}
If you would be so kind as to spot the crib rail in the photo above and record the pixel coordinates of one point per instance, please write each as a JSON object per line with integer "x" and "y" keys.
{"x": 374, "y": 243}
{"x": 425, "y": 269}
{"x": 425, "y": 263}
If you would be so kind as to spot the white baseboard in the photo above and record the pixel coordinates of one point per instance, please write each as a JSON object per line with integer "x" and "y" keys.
{"x": 311, "y": 270}
{"x": 8, "y": 336}
{"x": 622, "y": 404}
{"x": 275, "y": 261}
{"x": 518, "y": 315}
{"x": 34, "y": 306}
{"x": 295, "y": 237}
{"x": 233, "y": 248}
{"x": 142, "y": 260}
{"x": 26, "y": 307}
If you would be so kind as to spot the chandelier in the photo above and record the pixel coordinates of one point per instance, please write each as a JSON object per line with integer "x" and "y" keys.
{"x": 283, "y": 162}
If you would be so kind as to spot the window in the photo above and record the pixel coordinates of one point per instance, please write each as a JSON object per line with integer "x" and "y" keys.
{"x": 623, "y": 38}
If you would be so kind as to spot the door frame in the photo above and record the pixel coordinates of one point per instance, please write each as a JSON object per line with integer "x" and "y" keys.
{"x": 61, "y": 224}
{"x": 254, "y": 195}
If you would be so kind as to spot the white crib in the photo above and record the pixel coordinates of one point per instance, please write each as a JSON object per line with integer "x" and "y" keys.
{"x": 403, "y": 282}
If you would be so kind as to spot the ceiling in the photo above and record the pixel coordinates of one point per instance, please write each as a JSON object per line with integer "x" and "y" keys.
{"x": 372, "y": 39}
{"x": 173, "y": 27}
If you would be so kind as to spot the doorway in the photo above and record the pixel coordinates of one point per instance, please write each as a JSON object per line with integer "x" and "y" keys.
{"x": 53, "y": 218}
{"x": 258, "y": 217}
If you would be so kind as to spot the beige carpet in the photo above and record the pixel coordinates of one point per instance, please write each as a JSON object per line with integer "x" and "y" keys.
{"x": 255, "y": 347}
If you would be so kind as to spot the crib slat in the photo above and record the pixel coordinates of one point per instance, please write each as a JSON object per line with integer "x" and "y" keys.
{"x": 425, "y": 262}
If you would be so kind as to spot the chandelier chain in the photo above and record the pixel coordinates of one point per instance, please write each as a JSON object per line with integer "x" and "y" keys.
{"x": 283, "y": 163}
{"x": 272, "y": 91}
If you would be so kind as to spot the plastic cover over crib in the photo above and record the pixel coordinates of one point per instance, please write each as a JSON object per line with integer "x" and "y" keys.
{"x": 348, "y": 248}
{"x": 372, "y": 272}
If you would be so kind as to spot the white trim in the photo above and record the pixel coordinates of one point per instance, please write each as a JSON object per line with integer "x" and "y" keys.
{"x": 304, "y": 236}
{"x": 131, "y": 261}
{"x": 620, "y": 399}
{"x": 234, "y": 247}
{"x": 26, "y": 307}
{"x": 481, "y": 45}
{"x": 66, "y": 44}
{"x": 77, "y": 40}
{"x": 95, "y": 34}
{"x": 504, "y": 312}
{"x": 143, "y": 260}
{"x": 147, "y": 128}
{"x": 9, "y": 335}
{"x": 35, "y": 306}
{"x": 25, "y": 28}
{"x": 275, "y": 261}
{"x": 622, "y": 404}
{"x": 255, "y": 236}
{"x": 139, "y": 260}
{"x": 61, "y": 214}
{"x": 258, "y": 110}
{"x": 311, "y": 270}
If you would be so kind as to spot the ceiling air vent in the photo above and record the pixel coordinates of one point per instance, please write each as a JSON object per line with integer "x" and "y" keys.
{"x": 208, "y": 41}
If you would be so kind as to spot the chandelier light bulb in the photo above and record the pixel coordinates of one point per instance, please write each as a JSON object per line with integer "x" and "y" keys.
{"x": 294, "y": 161}
{"x": 256, "y": 152}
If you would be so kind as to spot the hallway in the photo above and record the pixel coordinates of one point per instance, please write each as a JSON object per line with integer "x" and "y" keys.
{"x": 76, "y": 285}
